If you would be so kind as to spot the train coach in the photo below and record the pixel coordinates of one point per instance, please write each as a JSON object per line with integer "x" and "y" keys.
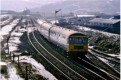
{"x": 75, "y": 43}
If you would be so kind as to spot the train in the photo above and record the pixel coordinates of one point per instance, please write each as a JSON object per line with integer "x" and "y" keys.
{"x": 73, "y": 42}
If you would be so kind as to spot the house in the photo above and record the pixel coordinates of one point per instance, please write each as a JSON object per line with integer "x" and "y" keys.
{"x": 112, "y": 25}
{"x": 81, "y": 19}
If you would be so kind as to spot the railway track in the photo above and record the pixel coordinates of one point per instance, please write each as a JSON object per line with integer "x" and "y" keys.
{"x": 108, "y": 57}
{"x": 64, "y": 69}
{"x": 94, "y": 70}
{"x": 79, "y": 69}
{"x": 113, "y": 61}
{"x": 99, "y": 63}
{"x": 74, "y": 69}
{"x": 104, "y": 74}
{"x": 11, "y": 20}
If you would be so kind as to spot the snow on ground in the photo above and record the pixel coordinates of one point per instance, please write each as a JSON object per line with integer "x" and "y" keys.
{"x": 91, "y": 47}
{"x": 1, "y": 37}
{"x": 2, "y": 77}
{"x": 13, "y": 43}
{"x": 12, "y": 73}
{"x": 54, "y": 21}
{"x": 16, "y": 34}
{"x": 30, "y": 30}
{"x": 40, "y": 21}
{"x": 4, "y": 16}
{"x": 114, "y": 55}
{"x": 6, "y": 29}
{"x": 15, "y": 40}
{"x": 37, "y": 66}
{"x": 94, "y": 30}
{"x": 107, "y": 62}
{"x": 6, "y": 21}
{"x": 3, "y": 63}
{"x": 13, "y": 46}
{"x": 22, "y": 30}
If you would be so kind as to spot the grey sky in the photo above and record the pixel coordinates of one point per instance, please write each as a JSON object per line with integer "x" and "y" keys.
{"x": 22, "y": 4}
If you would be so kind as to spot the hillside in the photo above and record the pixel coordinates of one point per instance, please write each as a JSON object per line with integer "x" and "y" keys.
{"x": 82, "y": 7}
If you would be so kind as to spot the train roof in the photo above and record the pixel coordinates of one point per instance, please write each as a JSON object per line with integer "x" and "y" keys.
{"x": 46, "y": 24}
{"x": 65, "y": 31}
{"x": 61, "y": 30}
{"x": 58, "y": 29}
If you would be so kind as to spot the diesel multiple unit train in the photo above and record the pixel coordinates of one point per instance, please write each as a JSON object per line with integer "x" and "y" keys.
{"x": 75, "y": 43}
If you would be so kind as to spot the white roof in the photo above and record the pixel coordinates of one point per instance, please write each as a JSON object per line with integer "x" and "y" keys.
{"x": 85, "y": 15}
{"x": 63, "y": 31}
{"x": 57, "y": 29}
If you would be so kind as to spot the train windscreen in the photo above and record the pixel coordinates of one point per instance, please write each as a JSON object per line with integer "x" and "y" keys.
{"x": 78, "y": 40}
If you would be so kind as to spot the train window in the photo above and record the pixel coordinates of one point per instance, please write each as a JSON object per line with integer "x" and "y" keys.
{"x": 85, "y": 40}
{"x": 78, "y": 41}
{"x": 82, "y": 40}
{"x": 70, "y": 41}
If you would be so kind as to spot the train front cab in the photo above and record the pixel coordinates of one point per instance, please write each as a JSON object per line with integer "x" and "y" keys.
{"x": 77, "y": 45}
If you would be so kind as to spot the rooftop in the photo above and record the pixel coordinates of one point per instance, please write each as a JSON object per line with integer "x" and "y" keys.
{"x": 101, "y": 20}
{"x": 85, "y": 15}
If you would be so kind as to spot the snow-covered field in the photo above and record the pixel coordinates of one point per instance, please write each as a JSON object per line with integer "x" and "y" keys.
{"x": 13, "y": 46}
{"x": 53, "y": 22}
{"x": 3, "y": 63}
{"x": 6, "y": 21}
{"x": 114, "y": 55}
{"x": 97, "y": 31}
{"x": 12, "y": 73}
{"x": 104, "y": 41}
{"x": 14, "y": 41}
{"x": 2, "y": 77}
{"x": 6, "y": 29}
{"x": 107, "y": 62}
{"x": 4, "y": 16}
{"x": 40, "y": 69}
{"x": 37, "y": 66}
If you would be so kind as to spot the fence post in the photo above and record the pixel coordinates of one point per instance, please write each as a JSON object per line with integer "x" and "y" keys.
{"x": 26, "y": 77}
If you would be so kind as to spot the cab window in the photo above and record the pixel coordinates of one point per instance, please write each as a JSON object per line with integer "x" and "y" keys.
{"x": 78, "y": 40}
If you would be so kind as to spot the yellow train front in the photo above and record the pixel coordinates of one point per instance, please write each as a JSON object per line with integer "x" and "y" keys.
{"x": 77, "y": 45}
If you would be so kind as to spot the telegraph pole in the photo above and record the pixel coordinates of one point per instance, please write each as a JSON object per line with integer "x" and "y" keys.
{"x": 13, "y": 57}
{"x": 7, "y": 44}
{"x": 10, "y": 54}
{"x": 56, "y": 11}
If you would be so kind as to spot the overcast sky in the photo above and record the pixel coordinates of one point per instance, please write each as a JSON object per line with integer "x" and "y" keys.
{"x": 22, "y": 4}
